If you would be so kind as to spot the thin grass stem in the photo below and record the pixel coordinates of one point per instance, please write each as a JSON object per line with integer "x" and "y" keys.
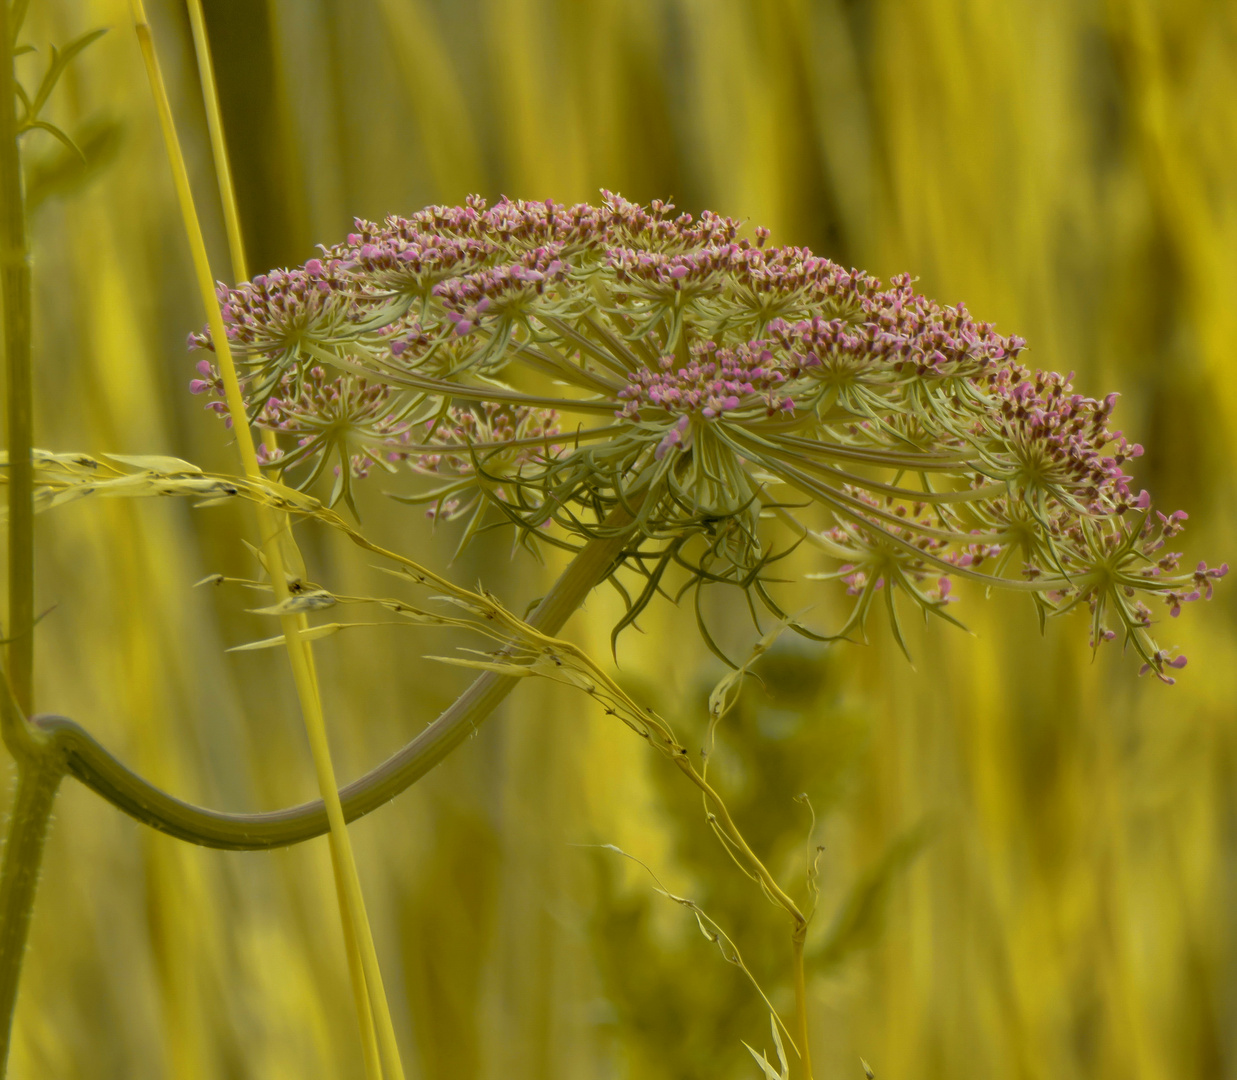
{"x": 236, "y": 250}
{"x": 218, "y": 144}
{"x": 798, "y": 941}
{"x": 368, "y": 992}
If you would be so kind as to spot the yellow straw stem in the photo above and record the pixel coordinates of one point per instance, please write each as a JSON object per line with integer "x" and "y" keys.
{"x": 367, "y": 990}
{"x": 223, "y": 164}
{"x": 356, "y": 974}
{"x": 219, "y": 147}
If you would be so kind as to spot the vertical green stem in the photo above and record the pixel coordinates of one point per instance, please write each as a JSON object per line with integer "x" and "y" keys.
{"x": 15, "y": 282}
{"x": 801, "y": 1027}
{"x": 38, "y": 777}
{"x": 19, "y": 877}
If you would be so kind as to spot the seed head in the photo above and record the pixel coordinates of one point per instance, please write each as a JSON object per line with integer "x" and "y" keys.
{"x": 727, "y": 400}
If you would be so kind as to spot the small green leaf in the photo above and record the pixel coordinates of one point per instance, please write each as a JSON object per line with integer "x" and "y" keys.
{"x": 763, "y": 1060}
{"x": 17, "y": 16}
{"x": 61, "y": 58}
{"x": 312, "y": 633}
{"x": 60, "y": 173}
{"x": 51, "y": 129}
{"x": 514, "y": 670}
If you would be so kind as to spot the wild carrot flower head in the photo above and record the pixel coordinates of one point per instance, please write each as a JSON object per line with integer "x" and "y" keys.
{"x": 581, "y": 370}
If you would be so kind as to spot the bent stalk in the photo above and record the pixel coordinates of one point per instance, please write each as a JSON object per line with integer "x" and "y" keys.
{"x": 99, "y": 770}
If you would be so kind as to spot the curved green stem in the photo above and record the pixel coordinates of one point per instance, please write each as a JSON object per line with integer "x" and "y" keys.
{"x": 720, "y": 819}
{"x": 40, "y": 768}
{"x": 19, "y": 878}
{"x": 94, "y": 766}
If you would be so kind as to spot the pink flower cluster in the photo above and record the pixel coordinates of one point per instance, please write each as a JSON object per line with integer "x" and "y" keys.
{"x": 714, "y": 381}
{"x": 901, "y": 335}
{"x": 787, "y": 271}
{"x": 502, "y": 439}
{"x": 1059, "y": 440}
{"x": 471, "y": 233}
{"x": 482, "y": 430}
{"x": 468, "y": 299}
{"x": 274, "y": 311}
{"x": 718, "y": 383}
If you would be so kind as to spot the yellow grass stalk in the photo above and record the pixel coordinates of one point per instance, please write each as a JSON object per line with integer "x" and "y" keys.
{"x": 240, "y": 272}
{"x": 368, "y": 990}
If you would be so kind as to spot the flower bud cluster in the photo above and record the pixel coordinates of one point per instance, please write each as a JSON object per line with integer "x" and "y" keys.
{"x": 472, "y": 447}
{"x": 714, "y": 381}
{"x": 722, "y": 394}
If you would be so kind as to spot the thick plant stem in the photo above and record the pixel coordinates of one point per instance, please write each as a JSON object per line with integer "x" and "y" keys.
{"x": 274, "y": 536}
{"x": 95, "y": 767}
{"x": 15, "y": 281}
{"x": 37, "y": 783}
{"x": 39, "y": 768}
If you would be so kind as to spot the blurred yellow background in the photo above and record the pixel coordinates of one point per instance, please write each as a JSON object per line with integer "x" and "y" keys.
{"x": 1067, "y": 169}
